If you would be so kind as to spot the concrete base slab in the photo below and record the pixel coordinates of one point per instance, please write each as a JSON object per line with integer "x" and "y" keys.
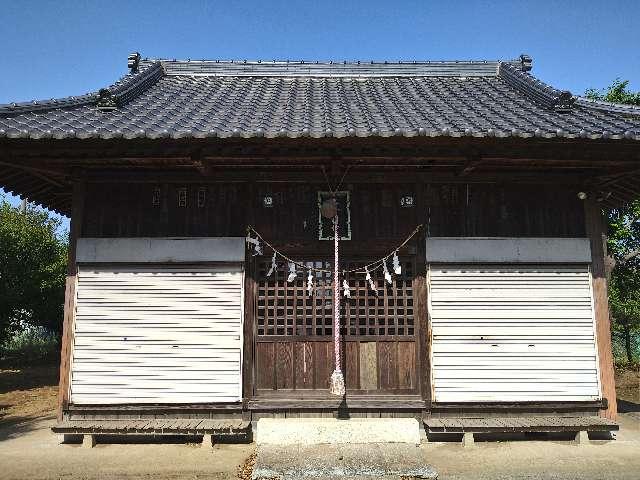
{"x": 467, "y": 439}
{"x": 353, "y": 461}
{"x": 582, "y": 438}
{"x": 207, "y": 442}
{"x": 89, "y": 441}
{"x": 315, "y": 431}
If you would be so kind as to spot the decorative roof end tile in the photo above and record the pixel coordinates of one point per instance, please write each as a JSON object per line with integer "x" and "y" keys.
{"x": 564, "y": 102}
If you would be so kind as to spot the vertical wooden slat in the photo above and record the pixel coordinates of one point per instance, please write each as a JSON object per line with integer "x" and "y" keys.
{"x": 387, "y": 365}
{"x": 304, "y": 365}
{"x": 265, "y": 356}
{"x": 284, "y": 365}
{"x": 66, "y": 354}
{"x": 324, "y": 364}
{"x": 597, "y": 236}
{"x": 352, "y": 376}
{"x": 368, "y": 366}
{"x": 406, "y": 365}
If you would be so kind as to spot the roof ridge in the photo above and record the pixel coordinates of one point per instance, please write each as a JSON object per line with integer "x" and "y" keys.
{"x": 303, "y": 68}
{"x": 326, "y": 62}
{"x": 543, "y": 93}
{"x": 122, "y": 91}
{"x": 609, "y": 107}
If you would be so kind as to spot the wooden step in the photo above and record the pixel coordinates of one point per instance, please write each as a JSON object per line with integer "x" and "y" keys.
{"x": 545, "y": 424}
{"x": 174, "y": 426}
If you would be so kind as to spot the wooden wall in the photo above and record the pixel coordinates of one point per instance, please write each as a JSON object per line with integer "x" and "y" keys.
{"x": 126, "y": 209}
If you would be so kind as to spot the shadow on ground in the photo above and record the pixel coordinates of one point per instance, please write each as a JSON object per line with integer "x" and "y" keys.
{"x": 13, "y": 427}
{"x": 625, "y": 406}
{"x": 28, "y": 395}
{"x": 12, "y": 379}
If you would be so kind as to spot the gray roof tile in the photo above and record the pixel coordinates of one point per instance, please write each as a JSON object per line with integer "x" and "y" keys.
{"x": 201, "y": 99}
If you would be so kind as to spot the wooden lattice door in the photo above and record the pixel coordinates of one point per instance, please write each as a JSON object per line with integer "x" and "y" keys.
{"x": 294, "y": 331}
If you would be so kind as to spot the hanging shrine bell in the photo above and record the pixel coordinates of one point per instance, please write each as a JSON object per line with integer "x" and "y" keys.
{"x": 329, "y": 209}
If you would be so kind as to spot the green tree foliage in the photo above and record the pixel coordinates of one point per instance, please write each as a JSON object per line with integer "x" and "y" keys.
{"x": 33, "y": 257}
{"x": 624, "y": 285}
{"x": 624, "y": 247}
{"x": 616, "y": 93}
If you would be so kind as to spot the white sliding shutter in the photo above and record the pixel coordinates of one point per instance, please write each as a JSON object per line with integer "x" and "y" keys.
{"x": 157, "y": 334}
{"x": 513, "y": 333}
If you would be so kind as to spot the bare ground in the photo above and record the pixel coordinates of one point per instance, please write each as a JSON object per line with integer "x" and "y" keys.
{"x": 28, "y": 393}
{"x": 628, "y": 385}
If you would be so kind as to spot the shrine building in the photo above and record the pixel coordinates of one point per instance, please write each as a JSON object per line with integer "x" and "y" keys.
{"x": 201, "y": 277}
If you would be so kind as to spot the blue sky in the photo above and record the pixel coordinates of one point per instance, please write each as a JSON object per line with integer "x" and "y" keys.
{"x": 60, "y": 48}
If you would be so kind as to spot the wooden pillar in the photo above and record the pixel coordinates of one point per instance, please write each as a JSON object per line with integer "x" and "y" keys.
{"x": 596, "y": 231}
{"x": 420, "y": 293}
{"x": 70, "y": 297}
{"x": 250, "y": 290}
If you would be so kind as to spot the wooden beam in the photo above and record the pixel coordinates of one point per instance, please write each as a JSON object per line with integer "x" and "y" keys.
{"x": 611, "y": 179}
{"x": 75, "y": 230}
{"x": 355, "y": 175}
{"x": 299, "y": 153}
{"x": 595, "y": 228}
{"x": 377, "y": 402}
{"x": 41, "y": 172}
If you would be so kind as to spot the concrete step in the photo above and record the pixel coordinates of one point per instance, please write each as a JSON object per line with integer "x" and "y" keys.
{"x": 314, "y": 431}
{"x": 388, "y": 461}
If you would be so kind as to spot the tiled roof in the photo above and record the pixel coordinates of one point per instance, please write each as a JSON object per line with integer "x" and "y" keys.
{"x": 201, "y": 99}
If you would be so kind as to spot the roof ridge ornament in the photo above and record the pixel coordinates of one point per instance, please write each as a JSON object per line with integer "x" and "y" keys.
{"x": 564, "y": 102}
{"x": 133, "y": 62}
{"x": 107, "y": 101}
{"x": 526, "y": 62}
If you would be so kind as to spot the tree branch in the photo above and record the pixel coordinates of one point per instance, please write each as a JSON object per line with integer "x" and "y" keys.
{"x": 630, "y": 255}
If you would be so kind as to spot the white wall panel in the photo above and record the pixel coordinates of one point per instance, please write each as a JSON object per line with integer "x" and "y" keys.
{"x": 508, "y": 250}
{"x": 512, "y": 333}
{"x": 160, "y": 250}
{"x": 157, "y": 334}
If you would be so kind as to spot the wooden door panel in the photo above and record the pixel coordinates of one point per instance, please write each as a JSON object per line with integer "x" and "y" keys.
{"x": 294, "y": 327}
{"x": 386, "y": 366}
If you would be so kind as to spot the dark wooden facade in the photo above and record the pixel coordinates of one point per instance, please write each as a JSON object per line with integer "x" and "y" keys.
{"x": 461, "y": 188}
{"x": 288, "y": 333}
{"x": 377, "y": 219}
